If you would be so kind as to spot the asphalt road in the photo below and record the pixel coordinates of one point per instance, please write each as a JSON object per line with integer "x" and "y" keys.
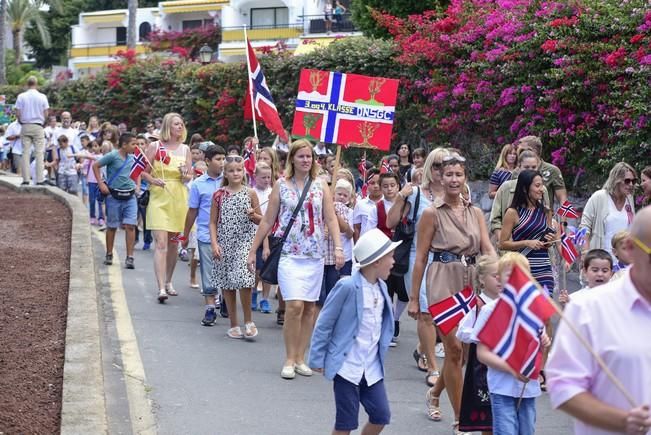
{"x": 199, "y": 381}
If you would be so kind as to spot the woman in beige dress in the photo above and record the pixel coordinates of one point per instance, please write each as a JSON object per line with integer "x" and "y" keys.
{"x": 455, "y": 233}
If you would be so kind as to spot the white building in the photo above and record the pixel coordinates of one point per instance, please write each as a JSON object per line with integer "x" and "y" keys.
{"x": 296, "y": 25}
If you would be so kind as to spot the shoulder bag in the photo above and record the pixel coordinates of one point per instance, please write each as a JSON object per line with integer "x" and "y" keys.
{"x": 405, "y": 232}
{"x": 120, "y": 194}
{"x": 269, "y": 270}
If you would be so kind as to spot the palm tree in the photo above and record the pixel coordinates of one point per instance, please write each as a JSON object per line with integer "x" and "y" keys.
{"x": 3, "y": 26}
{"x": 24, "y": 13}
{"x": 131, "y": 29}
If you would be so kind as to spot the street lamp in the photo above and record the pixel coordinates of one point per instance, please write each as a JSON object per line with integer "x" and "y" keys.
{"x": 205, "y": 54}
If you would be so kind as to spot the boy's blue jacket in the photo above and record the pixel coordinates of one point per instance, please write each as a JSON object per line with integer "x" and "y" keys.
{"x": 339, "y": 322}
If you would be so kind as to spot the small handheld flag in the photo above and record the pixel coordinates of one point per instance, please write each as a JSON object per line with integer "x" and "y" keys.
{"x": 161, "y": 155}
{"x": 568, "y": 250}
{"x": 140, "y": 164}
{"x": 385, "y": 168}
{"x": 448, "y": 313}
{"x": 249, "y": 159}
{"x": 567, "y": 210}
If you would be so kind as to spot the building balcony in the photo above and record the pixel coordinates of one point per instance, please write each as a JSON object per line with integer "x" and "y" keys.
{"x": 102, "y": 50}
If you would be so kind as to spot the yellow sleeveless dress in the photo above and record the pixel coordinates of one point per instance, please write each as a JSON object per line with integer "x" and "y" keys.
{"x": 168, "y": 205}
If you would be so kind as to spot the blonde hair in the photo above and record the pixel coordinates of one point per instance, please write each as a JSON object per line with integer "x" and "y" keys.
{"x": 484, "y": 263}
{"x": 510, "y": 259}
{"x": 275, "y": 166}
{"x": 289, "y": 164}
{"x": 344, "y": 184}
{"x": 346, "y": 174}
{"x": 501, "y": 162}
{"x": 262, "y": 166}
{"x": 225, "y": 179}
{"x": 166, "y": 127}
{"x": 433, "y": 158}
{"x": 619, "y": 237}
{"x": 532, "y": 142}
{"x": 616, "y": 176}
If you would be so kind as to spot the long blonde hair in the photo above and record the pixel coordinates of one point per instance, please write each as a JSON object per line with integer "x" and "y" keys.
{"x": 166, "y": 127}
{"x": 275, "y": 167}
{"x": 502, "y": 162}
{"x": 433, "y": 158}
{"x": 289, "y": 164}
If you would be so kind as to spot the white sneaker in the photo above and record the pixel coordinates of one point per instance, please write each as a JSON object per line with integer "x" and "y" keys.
{"x": 439, "y": 350}
{"x": 394, "y": 342}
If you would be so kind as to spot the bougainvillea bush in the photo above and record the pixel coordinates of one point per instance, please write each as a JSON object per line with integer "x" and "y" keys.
{"x": 577, "y": 74}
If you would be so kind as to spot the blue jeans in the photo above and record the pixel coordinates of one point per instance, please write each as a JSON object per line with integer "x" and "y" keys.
{"x": 509, "y": 420}
{"x": 146, "y": 236}
{"x": 93, "y": 200}
{"x": 205, "y": 267}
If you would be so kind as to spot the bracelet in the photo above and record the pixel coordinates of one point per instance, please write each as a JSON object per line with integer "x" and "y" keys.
{"x": 339, "y": 249}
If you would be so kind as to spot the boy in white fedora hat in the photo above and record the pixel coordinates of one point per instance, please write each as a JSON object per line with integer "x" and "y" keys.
{"x": 352, "y": 335}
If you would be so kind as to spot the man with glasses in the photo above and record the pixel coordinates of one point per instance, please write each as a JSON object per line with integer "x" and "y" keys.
{"x": 615, "y": 320}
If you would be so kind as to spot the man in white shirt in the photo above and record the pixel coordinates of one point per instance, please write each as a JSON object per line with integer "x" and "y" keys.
{"x": 320, "y": 149}
{"x": 31, "y": 112}
{"x": 66, "y": 129}
{"x": 12, "y": 136}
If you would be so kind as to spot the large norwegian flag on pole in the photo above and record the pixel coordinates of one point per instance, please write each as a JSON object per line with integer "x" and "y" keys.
{"x": 264, "y": 108}
{"x": 448, "y": 313}
{"x": 513, "y": 329}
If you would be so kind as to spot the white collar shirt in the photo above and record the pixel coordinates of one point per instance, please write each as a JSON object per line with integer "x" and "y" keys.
{"x": 363, "y": 359}
{"x": 363, "y": 209}
{"x": 32, "y": 105}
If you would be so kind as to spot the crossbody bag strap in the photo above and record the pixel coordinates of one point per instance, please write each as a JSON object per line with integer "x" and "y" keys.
{"x": 306, "y": 188}
{"x": 114, "y": 176}
{"x": 416, "y": 205}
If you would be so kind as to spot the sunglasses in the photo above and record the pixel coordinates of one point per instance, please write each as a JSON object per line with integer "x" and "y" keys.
{"x": 628, "y": 181}
{"x": 453, "y": 158}
{"x": 236, "y": 159}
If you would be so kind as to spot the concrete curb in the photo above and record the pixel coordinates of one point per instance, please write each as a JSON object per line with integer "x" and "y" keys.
{"x": 83, "y": 408}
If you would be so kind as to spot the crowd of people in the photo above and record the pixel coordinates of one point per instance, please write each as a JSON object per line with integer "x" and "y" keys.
{"x": 341, "y": 292}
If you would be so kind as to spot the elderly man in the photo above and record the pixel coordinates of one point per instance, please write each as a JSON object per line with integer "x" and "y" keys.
{"x": 552, "y": 176}
{"x": 615, "y": 319}
{"x": 66, "y": 129}
{"x": 31, "y": 112}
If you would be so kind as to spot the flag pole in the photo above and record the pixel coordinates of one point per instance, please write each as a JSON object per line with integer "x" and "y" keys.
{"x": 248, "y": 73}
{"x": 333, "y": 181}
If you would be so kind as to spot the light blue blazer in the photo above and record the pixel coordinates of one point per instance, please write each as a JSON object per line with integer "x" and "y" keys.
{"x": 339, "y": 322}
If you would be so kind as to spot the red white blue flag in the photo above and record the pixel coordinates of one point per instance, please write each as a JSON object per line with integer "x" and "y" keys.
{"x": 567, "y": 210}
{"x": 161, "y": 154}
{"x": 384, "y": 167}
{"x": 362, "y": 174}
{"x": 448, "y": 313}
{"x": 568, "y": 250}
{"x": 265, "y": 109}
{"x": 140, "y": 164}
{"x": 249, "y": 159}
{"x": 513, "y": 329}
{"x": 345, "y": 109}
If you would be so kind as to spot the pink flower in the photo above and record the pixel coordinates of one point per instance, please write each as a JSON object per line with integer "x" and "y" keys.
{"x": 549, "y": 46}
{"x": 614, "y": 58}
{"x": 646, "y": 60}
{"x": 637, "y": 38}
{"x": 476, "y": 107}
{"x": 507, "y": 97}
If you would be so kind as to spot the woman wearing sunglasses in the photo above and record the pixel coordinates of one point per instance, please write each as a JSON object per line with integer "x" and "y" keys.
{"x": 301, "y": 264}
{"x": 611, "y": 209}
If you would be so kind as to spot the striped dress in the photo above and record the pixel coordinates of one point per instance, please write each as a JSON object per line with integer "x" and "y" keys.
{"x": 500, "y": 176}
{"x": 531, "y": 225}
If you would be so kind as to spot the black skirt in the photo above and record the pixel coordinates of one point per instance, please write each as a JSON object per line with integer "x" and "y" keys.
{"x": 475, "y": 399}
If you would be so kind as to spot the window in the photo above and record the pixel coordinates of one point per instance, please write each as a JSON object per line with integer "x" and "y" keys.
{"x": 120, "y": 36}
{"x": 192, "y": 24}
{"x": 269, "y": 17}
{"x": 144, "y": 30}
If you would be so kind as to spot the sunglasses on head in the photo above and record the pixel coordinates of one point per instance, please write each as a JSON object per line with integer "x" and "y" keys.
{"x": 628, "y": 181}
{"x": 236, "y": 159}
{"x": 453, "y": 158}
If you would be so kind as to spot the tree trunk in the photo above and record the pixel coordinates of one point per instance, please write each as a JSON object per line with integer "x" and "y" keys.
{"x": 18, "y": 47}
{"x": 131, "y": 29}
{"x": 3, "y": 29}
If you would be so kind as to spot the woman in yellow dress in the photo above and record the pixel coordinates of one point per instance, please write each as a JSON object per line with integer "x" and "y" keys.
{"x": 168, "y": 197}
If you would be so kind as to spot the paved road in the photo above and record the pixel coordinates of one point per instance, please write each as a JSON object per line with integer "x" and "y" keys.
{"x": 198, "y": 381}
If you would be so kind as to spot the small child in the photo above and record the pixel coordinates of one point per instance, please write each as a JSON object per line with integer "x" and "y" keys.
{"x": 93, "y": 188}
{"x": 513, "y": 407}
{"x": 84, "y": 140}
{"x": 199, "y": 204}
{"x": 475, "y": 400}
{"x": 350, "y": 340}
{"x": 67, "y": 166}
{"x": 597, "y": 270}
{"x": 199, "y": 168}
{"x": 262, "y": 188}
{"x": 622, "y": 252}
{"x": 233, "y": 216}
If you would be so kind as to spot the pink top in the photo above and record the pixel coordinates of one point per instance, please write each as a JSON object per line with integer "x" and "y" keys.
{"x": 615, "y": 319}
{"x": 87, "y": 168}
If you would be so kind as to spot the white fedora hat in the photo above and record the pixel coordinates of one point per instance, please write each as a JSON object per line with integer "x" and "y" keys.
{"x": 372, "y": 246}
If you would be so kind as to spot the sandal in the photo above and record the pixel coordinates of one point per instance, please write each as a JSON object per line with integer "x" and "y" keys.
{"x": 170, "y": 290}
{"x": 542, "y": 380}
{"x": 280, "y": 317}
{"x": 455, "y": 428}
{"x": 235, "y": 332}
{"x": 433, "y": 411}
{"x": 421, "y": 360}
{"x": 162, "y": 296}
{"x": 250, "y": 330}
{"x": 430, "y": 374}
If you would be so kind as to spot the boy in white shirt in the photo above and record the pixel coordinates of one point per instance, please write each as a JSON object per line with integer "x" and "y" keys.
{"x": 364, "y": 206}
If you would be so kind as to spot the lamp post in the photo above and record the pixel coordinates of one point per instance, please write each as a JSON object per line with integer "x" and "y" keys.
{"x": 205, "y": 54}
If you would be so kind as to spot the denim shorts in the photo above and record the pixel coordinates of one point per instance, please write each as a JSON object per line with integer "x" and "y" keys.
{"x": 84, "y": 185}
{"x": 348, "y": 396}
{"x": 68, "y": 183}
{"x": 508, "y": 419}
{"x": 205, "y": 267}
{"x": 121, "y": 212}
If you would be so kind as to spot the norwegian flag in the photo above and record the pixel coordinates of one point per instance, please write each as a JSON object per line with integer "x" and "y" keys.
{"x": 161, "y": 155}
{"x": 567, "y": 210}
{"x": 249, "y": 159}
{"x": 265, "y": 109}
{"x": 385, "y": 168}
{"x": 198, "y": 172}
{"x": 140, "y": 164}
{"x": 362, "y": 174}
{"x": 513, "y": 329}
{"x": 568, "y": 250}
{"x": 448, "y": 313}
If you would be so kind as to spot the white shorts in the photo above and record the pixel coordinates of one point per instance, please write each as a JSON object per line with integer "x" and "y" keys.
{"x": 300, "y": 279}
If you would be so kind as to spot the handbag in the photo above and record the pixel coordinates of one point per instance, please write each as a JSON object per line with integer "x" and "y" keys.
{"x": 143, "y": 201}
{"x": 404, "y": 232}
{"x": 269, "y": 270}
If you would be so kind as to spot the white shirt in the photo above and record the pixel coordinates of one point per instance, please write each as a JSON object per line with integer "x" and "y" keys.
{"x": 362, "y": 211}
{"x": 363, "y": 358}
{"x": 347, "y": 242}
{"x": 616, "y": 220}
{"x": 32, "y": 105}
{"x": 373, "y": 219}
{"x": 322, "y": 151}
{"x": 49, "y": 135}
{"x": 467, "y": 324}
{"x": 14, "y": 129}
{"x": 67, "y": 163}
{"x": 263, "y": 198}
{"x": 69, "y": 132}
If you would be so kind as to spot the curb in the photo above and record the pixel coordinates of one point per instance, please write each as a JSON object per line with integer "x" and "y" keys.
{"x": 83, "y": 407}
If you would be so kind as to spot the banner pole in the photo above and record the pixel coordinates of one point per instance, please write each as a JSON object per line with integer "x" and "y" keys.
{"x": 333, "y": 181}
{"x": 248, "y": 73}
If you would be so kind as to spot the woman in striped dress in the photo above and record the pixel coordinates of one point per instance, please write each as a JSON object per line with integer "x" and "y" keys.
{"x": 527, "y": 227}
